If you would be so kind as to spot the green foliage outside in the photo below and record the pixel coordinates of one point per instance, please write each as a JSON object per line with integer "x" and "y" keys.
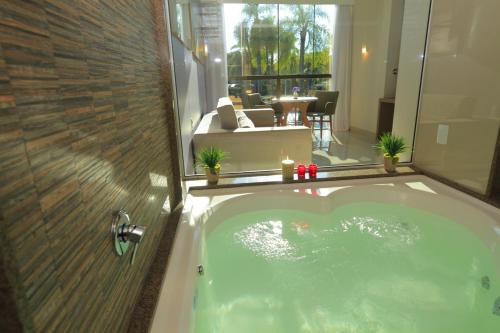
{"x": 303, "y": 45}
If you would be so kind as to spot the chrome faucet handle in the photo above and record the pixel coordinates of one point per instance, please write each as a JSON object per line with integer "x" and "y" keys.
{"x": 135, "y": 233}
{"x": 125, "y": 233}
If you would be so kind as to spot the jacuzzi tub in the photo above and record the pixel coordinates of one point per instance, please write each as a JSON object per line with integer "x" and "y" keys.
{"x": 208, "y": 213}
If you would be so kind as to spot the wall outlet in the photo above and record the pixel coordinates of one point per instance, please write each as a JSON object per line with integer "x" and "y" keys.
{"x": 442, "y": 134}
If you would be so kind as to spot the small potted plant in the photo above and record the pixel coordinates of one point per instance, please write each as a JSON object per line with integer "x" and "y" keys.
{"x": 391, "y": 146}
{"x": 296, "y": 91}
{"x": 210, "y": 159}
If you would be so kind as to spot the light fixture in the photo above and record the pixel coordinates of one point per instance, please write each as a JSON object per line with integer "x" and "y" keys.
{"x": 364, "y": 51}
{"x": 217, "y": 60}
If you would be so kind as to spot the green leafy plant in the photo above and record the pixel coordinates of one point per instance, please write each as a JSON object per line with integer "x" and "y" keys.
{"x": 391, "y": 145}
{"x": 210, "y": 157}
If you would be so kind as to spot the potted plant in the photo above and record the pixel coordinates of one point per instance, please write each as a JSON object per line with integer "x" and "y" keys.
{"x": 391, "y": 146}
{"x": 210, "y": 159}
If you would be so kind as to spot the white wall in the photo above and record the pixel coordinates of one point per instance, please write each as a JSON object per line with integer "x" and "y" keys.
{"x": 371, "y": 26}
{"x": 191, "y": 99}
{"x": 416, "y": 14}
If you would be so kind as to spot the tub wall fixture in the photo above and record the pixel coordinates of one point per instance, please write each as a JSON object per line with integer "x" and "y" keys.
{"x": 124, "y": 233}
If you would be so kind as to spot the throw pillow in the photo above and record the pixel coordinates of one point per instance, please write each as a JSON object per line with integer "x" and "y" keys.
{"x": 227, "y": 115}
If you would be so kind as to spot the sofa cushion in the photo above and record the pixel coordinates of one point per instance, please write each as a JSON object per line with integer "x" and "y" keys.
{"x": 227, "y": 115}
{"x": 243, "y": 120}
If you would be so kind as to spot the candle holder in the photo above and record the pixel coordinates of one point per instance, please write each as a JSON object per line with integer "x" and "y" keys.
{"x": 313, "y": 171}
{"x": 301, "y": 171}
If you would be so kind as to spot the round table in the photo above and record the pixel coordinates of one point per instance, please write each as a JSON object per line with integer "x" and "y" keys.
{"x": 289, "y": 103}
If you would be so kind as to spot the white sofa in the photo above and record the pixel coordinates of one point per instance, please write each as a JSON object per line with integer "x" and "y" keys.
{"x": 259, "y": 148}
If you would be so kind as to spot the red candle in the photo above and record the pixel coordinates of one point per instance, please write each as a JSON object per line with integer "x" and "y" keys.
{"x": 313, "y": 170}
{"x": 301, "y": 171}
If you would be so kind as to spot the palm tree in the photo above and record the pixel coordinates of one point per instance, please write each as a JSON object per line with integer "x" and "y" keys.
{"x": 269, "y": 40}
{"x": 288, "y": 53}
{"x": 253, "y": 33}
{"x": 258, "y": 40}
{"x": 302, "y": 23}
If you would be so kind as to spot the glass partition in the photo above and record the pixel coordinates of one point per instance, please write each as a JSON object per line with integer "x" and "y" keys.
{"x": 367, "y": 51}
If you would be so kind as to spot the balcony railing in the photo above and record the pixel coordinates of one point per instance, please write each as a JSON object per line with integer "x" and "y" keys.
{"x": 270, "y": 86}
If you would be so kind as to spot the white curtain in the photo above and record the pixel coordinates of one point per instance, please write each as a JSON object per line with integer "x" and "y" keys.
{"x": 341, "y": 66}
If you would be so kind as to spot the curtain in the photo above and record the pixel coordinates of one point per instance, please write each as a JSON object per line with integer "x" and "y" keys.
{"x": 341, "y": 66}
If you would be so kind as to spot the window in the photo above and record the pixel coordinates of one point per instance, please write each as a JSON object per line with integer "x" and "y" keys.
{"x": 180, "y": 17}
{"x": 238, "y": 47}
{"x": 273, "y": 47}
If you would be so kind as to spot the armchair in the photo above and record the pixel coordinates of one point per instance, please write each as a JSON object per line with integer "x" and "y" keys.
{"x": 324, "y": 107}
{"x": 254, "y": 101}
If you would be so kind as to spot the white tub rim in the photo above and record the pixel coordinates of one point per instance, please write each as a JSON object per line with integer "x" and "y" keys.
{"x": 174, "y": 305}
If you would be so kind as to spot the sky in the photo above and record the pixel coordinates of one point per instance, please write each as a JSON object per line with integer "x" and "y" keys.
{"x": 232, "y": 16}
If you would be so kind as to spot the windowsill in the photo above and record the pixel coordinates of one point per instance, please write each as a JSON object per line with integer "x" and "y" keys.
{"x": 236, "y": 181}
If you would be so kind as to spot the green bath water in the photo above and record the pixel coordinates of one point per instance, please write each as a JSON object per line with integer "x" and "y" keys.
{"x": 365, "y": 268}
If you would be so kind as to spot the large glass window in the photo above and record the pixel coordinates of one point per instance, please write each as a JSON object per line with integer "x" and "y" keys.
{"x": 344, "y": 60}
{"x": 274, "y": 47}
{"x": 251, "y": 39}
{"x": 296, "y": 30}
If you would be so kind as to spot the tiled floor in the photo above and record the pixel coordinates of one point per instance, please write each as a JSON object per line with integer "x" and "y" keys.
{"x": 343, "y": 147}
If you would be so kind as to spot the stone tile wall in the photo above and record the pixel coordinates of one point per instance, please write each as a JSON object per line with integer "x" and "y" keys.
{"x": 86, "y": 127}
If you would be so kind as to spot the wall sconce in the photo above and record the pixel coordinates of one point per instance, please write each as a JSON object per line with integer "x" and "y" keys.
{"x": 364, "y": 51}
{"x": 217, "y": 60}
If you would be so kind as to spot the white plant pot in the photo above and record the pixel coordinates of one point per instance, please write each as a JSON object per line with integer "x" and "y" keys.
{"x": 212, "y": 175}
{"x": 390, "y": 163}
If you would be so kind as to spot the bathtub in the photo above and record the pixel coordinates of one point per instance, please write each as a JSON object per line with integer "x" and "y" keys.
{"x": 205, "y": 209}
